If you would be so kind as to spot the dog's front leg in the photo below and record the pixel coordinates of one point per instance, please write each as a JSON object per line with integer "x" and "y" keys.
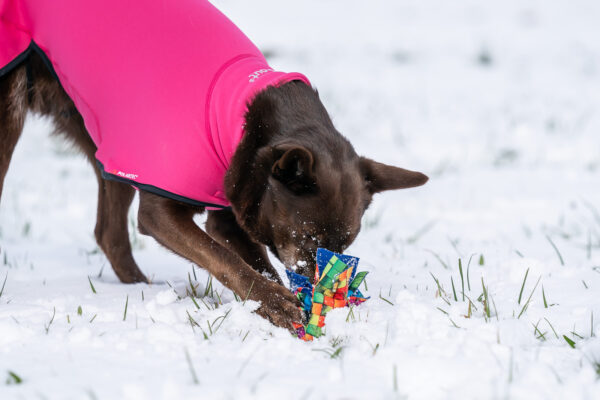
{"x": 223, "y": 227}
{"x": 171, "y": 223}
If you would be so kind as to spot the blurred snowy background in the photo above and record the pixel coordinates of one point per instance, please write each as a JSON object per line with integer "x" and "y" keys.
{"x": 498, "y": 102}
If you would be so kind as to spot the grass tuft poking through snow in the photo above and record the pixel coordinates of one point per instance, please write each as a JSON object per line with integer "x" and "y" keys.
{"x": 13, "y": 379}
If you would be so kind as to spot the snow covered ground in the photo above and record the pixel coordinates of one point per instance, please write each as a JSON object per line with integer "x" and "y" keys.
{"x": 497, "y": 101}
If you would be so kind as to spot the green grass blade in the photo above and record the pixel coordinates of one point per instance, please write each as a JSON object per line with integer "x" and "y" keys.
{"x": 4, "y": 284}
{"x": 569, "y": 341}
{"x": 92, "y": 285}
{"x": 13, "y": 379}
{"x": 191, "y": 367}
{"x": 195, "y": 302}
{"x": 551, "y": 327}
{"x": 486, "y": 304}
{"x": 523, "y": 285}
{"x": 440, "y": 290}
{"x": 248, "y": 294}
{"x": 529, "y": 298}
{"x": 386, "y": 300}
{"x": 562, "y": 262}
{"x": 453, "y": 289}
{"x": 192, "y": 287}
{"x": 468, "y": 269}
{"x": 462, "y": 279}
{"x": 439, "y": 259}
{"x": 126, "y": 304}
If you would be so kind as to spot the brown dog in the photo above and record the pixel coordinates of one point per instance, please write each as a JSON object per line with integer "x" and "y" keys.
{"x": 295, "y": 184}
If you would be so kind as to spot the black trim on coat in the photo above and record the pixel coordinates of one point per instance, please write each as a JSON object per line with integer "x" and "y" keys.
{"x": 18, "y": 60}
{"x": 155, "y": 190}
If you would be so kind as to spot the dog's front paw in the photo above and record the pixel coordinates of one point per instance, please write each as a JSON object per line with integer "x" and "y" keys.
{"x": 278, "y": 305}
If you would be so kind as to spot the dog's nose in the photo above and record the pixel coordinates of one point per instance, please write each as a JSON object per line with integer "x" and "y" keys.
{"x": 335, "y": 244}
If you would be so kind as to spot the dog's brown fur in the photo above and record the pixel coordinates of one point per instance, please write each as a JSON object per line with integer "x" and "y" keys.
{"x": 294, "y": 183}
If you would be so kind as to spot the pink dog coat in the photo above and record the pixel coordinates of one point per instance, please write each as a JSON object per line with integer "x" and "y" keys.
{"x": 162, "y": 86}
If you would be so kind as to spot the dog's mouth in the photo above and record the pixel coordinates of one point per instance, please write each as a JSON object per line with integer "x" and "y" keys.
{"x": 300, "y": 261}
{"x": 303, "y": 267}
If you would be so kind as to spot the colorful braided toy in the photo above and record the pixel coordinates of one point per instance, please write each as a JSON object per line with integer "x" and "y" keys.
{"x": 336, "y": 286}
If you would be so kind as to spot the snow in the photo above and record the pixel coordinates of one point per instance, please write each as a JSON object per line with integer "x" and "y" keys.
{"x": 496, "y": 101}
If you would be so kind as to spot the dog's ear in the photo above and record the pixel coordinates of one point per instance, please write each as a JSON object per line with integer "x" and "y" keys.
{"x": 294, "y": 167}
{"x": 382, "y": 177}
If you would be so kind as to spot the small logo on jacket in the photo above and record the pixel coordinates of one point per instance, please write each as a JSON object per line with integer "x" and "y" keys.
{"x": 128, "y": 176}
{"x": 257, "y": 74}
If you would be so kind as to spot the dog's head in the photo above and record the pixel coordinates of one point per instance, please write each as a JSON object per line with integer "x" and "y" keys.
{"x": 316, "y": 199}
{"x": 305, "y": 187}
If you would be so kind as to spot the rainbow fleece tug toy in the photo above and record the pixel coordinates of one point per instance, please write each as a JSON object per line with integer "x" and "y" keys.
{"x": 336, "y": 285}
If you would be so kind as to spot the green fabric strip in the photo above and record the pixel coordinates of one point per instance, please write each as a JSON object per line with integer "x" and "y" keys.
{"x": 358, "y": 279}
